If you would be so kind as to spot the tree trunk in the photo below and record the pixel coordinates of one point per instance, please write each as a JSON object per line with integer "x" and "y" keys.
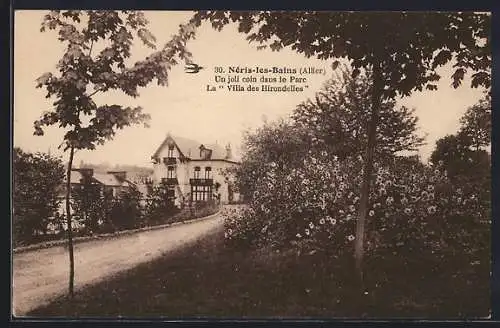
{"x": 367, "y": 174}
{"x": 70, "y": 228}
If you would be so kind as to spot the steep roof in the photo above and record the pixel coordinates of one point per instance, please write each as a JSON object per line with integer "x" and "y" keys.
{"x": 191, "y": 148}
{"x": 77, "y": 177}
{"x": 107, "y": 179}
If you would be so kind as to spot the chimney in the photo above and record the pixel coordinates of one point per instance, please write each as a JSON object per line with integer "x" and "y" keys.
{"x": 202, "y": 148}
{"x": 120, "y": 175}
{"x": 229, "y": 153}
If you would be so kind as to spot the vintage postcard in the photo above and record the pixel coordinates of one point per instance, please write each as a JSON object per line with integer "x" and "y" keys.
{"x": 257, "y": 164}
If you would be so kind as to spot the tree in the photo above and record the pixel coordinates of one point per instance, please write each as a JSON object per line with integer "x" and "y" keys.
{"x": 283, "y": 144}
{"x": 159, "y": 203}
{"x": 127, "y": 209}
{"x": 476, "y": 123}
{"x": 37, "y": 181}
{"x": 81, "y": 74}
{"x": 468, "y": 169}
{"x": 461, "y": 154}
{"x": 337, "y": 121}
{"x": 453, "y": 153}
{"x": 402, "y": 50}
{"x": 88, "y": 203}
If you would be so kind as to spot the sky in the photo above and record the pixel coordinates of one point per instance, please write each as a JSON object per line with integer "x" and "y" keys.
{"x": 185, "y": 107}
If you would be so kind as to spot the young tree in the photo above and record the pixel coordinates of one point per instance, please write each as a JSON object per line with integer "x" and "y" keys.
{"x": 402, "y": 50}
{"x": 37, "y": 181}
{"x": 81, "y": 73}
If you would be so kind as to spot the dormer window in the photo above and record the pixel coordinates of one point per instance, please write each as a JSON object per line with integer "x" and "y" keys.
{"x": 197, "y": 172}
{"x": 208, "y": 154}
{"x": 208, "y": 170}
{"x": 170, "y": 153}
{"x": 205, "y": 153}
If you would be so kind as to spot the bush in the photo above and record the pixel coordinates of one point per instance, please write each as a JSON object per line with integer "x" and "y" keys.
{"x": 195, "y": 210}
{"x": 241, "y": 228}
{"x": 159, "y": 205}
{"x": 206, "y": 208}
{"x": 126, "y": 212}
{"x": 89, "y": 205}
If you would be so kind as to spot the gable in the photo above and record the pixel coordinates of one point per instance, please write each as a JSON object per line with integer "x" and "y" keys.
{"x": 190, "y": 148}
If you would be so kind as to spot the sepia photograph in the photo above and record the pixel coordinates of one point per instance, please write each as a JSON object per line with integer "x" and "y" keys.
{"x": 251, "y": 164}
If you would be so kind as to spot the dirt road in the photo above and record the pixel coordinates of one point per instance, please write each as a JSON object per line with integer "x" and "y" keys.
{"x": 40, "y": 276}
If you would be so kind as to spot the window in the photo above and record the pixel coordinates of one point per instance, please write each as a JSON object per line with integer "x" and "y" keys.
{"x": 201, "y": 193}
{"x": 170, "y": 151}
{"x": 208, "y": 169}
{"x": 170, "y": 172}
{"x": 206, "y": 153}
{"x": 195, "y": 193}
{"x": 197, "y": 172}
{"x": 170, "y": 199}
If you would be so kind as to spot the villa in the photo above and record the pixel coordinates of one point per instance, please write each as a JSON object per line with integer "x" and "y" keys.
{"x": 194, "y": 172}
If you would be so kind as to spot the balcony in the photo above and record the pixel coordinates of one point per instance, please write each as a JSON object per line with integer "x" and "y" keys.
{"x": 169, "y": 160}
{"x": 170, "y": 181}
{"x": 201, "y": 182}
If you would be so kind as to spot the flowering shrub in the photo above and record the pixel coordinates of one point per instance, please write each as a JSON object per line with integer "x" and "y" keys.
{"x": 240, "y": 229}
{"x": 313, "y": 207}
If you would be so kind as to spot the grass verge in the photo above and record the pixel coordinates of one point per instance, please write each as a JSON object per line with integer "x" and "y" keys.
{"x": 208, "y": 279}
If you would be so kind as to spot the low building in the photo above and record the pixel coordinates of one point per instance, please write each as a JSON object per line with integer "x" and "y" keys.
{"x": 112, "y": 183}
{"x": 194, "y": 172}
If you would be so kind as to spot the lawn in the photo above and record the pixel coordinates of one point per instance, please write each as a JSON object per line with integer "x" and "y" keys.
{"x": 210, "y": 280}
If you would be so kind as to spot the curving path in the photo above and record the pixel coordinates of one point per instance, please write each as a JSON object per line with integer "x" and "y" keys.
{"x": 40, "y": 276}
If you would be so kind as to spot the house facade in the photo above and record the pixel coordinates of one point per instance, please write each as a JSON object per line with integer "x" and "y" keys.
{"x": 194, "y": 172}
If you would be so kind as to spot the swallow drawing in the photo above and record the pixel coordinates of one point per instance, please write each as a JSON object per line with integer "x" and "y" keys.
{"x": 192, "y": 68}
